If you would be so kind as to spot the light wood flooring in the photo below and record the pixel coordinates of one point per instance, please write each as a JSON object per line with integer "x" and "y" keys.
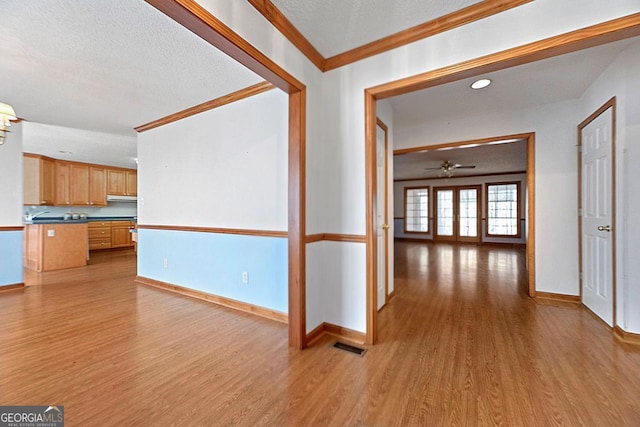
{"x": 460, "y": 344}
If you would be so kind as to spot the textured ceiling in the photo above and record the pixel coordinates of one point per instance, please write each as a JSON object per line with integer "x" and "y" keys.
{"x": 335, "y": 26}
{"x": 106, "y": 65}
{"x": 487, "y": 158}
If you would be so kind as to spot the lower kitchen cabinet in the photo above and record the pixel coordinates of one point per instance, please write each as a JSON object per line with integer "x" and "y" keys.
{"x": 110, "y": 234}
{"x": 99, "y": 235}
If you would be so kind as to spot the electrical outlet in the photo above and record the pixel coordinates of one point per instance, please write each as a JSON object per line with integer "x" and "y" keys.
{"x": 51, "y": 233}
{"x": 165, "y": 263}
{"x": 245, "y": 277}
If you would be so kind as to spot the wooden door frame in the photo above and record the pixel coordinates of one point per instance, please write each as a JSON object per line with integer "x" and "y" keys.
{"x": 201, "y": 22}
{"x": 611, "y": 103}
{"x": 385, "y": 128}
{"x": 595, "y": 35}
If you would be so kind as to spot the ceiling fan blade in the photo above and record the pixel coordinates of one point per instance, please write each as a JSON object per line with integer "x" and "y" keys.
{"x": 465, "y": 167}
{"x": 432, "y": 169}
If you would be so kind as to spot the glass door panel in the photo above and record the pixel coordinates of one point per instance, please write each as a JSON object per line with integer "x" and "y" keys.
{"x": 468, "y": 214}
{"x": 445, "y": 215}
{"x": 457, "y": 213}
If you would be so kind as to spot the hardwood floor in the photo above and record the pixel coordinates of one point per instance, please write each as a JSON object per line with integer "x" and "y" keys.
{"x": 460, "y": 344}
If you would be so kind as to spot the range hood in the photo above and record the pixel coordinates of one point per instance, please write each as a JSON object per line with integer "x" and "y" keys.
{"x": 125, "y": 199}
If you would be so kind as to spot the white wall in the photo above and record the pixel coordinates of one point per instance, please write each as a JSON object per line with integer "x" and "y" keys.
{"x": 622, "y": 79}
{"x": 225, "y": 168}
{"x": 399, "y": 213}
{"x": 11, "y": 181}
{"x": 335, "y": 114}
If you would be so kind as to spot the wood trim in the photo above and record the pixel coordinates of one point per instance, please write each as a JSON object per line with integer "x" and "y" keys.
{"x": 13, "y": 287}
{"x": 627, "y": 337}
{"x": 278, "y": 20}
{"x": 441, "y": 24}
{"x": 12, "y": 228}
{"x": 464, "y": 143}
{"x": 410, "y": 239}
{"x": 573, "y": 299}
{"x": 595, "y": 35}
{"x": 337, "y": 331}
{"x": 216, "y": 299}
{"x": 444, "y": 23}
{"x": 531, "y": 213}
{"x": 316, "y": 333}
{"x": 332, "y": 237}
{"x": 198, "y": 20}
{"x": 461, "y": 176}
{"x": 345, "y": 333}
{"x": 391, "y": 294}
{"x": 297, "y": 218}
{"x": 518, "y": 234}
{"x": 370, "y": 120}
{"x": 611, "y": 103}
{"x": 208, "y": 105}
{"x": 244, "y": 232}
{"x": 355, "y": 238}
{"x": 201, "y": 22}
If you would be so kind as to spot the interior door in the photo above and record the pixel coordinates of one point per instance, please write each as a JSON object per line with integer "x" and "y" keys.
{"x": 597, "y": 216}
{"x": 457, "y": 213}
{"x": 381, "y": 214}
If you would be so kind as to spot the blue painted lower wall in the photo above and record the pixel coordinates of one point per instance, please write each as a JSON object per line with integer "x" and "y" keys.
{"x": 214, "y": 263}
{"x": 11, "y": 257}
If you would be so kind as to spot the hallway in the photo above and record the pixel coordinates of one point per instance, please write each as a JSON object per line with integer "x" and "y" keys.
{"x": 460, "y": 344}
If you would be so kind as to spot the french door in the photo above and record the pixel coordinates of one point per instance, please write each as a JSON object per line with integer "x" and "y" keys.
{"x": 457, "y": 213}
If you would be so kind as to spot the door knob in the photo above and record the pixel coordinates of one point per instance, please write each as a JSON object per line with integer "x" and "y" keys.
{"x": 604, "y": 228}
{"x": 385, "y": 226}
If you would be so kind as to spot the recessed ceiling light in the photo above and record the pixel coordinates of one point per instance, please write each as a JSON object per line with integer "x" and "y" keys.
{"x": 480, "y": 84}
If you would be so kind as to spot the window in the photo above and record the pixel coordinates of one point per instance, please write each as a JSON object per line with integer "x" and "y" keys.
{"x": 503, "y": 207}
{"x": 416, "y": 209}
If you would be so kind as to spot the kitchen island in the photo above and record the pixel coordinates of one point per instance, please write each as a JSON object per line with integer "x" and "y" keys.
{"x": 54, "y": 245}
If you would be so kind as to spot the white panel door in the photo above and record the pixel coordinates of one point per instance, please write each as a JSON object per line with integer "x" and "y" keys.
{"x": 381, "y": 218}
{"x": 597, "y": 216}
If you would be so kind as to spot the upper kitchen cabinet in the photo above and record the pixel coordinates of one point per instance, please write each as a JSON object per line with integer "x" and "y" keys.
{"x": 80, "y": 184}
{"x": 122, "y": 182}
{"x": 97, "y": 186}
{"x": 39, "y": 183}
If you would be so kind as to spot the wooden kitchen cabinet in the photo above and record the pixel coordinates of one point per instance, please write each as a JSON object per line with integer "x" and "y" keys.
{"x": 39, "y": 183}
{"x": 55, "y": 246}
{"x": 97, "y": 186}
{"x": 79, "y": 184}
{"x": 122, "y": 182}
{"x": 62, "y": 179}
{"x": 110, "y": 234}
{"x": 99, "y": 235}
{"x": 120, "y": 234}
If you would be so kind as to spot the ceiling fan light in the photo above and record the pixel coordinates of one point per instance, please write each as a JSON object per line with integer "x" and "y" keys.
{"x": 480, "y": 84}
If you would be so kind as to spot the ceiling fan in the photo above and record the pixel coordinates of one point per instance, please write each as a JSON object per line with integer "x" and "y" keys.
{"x": 447, "y": 168}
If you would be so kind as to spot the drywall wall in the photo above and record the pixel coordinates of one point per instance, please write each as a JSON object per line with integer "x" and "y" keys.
{"x": 335, "y": 106}
{"x": 223, "y": 168}
{"x": 11, "y": 190}
{"x": 11, "y": 184}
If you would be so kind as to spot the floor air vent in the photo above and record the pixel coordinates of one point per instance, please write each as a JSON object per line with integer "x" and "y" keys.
{"x": 351, "y": 349}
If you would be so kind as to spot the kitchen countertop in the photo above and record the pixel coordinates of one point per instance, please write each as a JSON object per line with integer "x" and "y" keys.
{"x": 60, "y": 220}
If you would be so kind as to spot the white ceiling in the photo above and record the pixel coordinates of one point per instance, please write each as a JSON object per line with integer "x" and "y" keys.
{"x": 106, "y": 65}
{"x": 487, "y": 158}
{"x": 336, "y": 26}
{"x": 552, "y": 80}
{"x": 544, "y": 82}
